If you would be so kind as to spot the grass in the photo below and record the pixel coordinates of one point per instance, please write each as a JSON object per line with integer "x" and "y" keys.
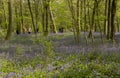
{"x": 57, "y": 56}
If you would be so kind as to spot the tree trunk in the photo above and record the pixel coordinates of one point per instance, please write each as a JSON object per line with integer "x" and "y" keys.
{"x": 81, "y": 15}
{"x": 118, "y": 27}
{"x": 36, "y": 4}
{"x": 53, "y": 26}
{"x": 32, "y": 17}
{"x": 70, "y": 4}
{"x": 21, "y": 16}
{"x": 105, "y": 20}
{"x": 113, "y": 12}
{"x": 89, "y": 16}
{"x": 85, "y": 21}
{"x": 78, "y": 20}
{"x": 92, "y": 21}
{"x": 18, "y": 28}
{"x": 45, "y": 16}
{"x": 10, "y": 27}
{"x": 109, "y": 19}
{"x": 98, "y": 21}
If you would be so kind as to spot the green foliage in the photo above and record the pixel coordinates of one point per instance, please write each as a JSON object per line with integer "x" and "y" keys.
{"x": 61, "y": 65}
{"x": 2, "y": 34}
{"x": 91, "y": 70}
{"x": 19, "y": 50}
{"x": 4, "y": 64}
{"x": 36, "y": 74}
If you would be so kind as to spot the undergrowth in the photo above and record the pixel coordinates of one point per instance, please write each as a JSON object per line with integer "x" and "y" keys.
{"x": 49, "y": 63}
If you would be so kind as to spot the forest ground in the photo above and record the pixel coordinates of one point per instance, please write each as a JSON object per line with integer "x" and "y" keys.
{"x": 58, "y": 56}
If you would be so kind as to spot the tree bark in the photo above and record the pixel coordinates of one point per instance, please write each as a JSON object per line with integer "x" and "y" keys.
{"x": 109, "y": 19}
{"x": 10, "y": 27}
{"x": 46, "y": 14}
{"x": 21, "y": 16}
{"x": 75, "y": 18}
{"x": 36, "y": 4}
{"x": 105, "y": 20}
{"x": 92, "y": 21}
{"x": 32, "y": 17}
{"x": 113, "y": 12}
{"x": 53, "y": 26}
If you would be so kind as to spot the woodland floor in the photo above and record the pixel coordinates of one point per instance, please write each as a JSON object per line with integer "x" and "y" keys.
{"x": 58, "y": 56}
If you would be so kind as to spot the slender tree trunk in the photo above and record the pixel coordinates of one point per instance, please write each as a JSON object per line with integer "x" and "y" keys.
{"x": 118, "y": 27}
{"x": 109, "y": 19}
{"x": 89, "y": 16}
{"x": 70, "y": 4}
{"x": 81, "y": 15}
{"x": 21, "y": 16}
{"x": 54, "y": 30}
{"x": 75, "y": 18}
{"x": 92, "y": 21}
{"x": 85, "y": 19}
{"x": 42, "y": 14}
{"x": 36, "y": 14}
{"x": 10, "y": 27}
{"x": 113, "y": 12}
{"x": 46, "y": 14}
{"x": 105, "y": 20}
{"x": 98, "y": 21}
{"x": 78, "y": 20}
{"x": 18, "y": 28}
{"x": 32, "y": 17}
{"x": 85, "y": 22}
